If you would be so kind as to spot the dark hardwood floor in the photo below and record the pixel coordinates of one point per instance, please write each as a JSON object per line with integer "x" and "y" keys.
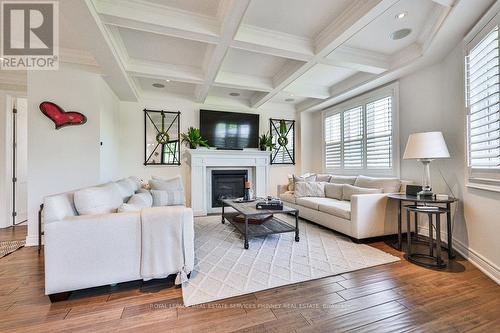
{"x": 399, "y": 297}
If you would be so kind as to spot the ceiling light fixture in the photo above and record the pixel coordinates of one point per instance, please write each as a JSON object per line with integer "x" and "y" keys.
{"x": 289, "y": 100}
{"x": 167, "y": 80}
{"x": 234, "y": 94}
{"x": 400, "y": 34}
{"x": 400, "y": 16}
{"x": 158, "y": 85}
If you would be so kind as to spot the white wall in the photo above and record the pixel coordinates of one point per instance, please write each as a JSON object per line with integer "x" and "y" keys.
{"x": 433, "y": 100}
{"x": 311, "y": 142}
{"x": 68, "y": 158}
{"x": 109, "y": 110}
{"x": 132, "y": 136}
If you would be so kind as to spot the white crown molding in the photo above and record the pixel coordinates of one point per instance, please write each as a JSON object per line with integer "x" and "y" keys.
{"x": 243, "y": 81}
{"x": 445, "y": 3}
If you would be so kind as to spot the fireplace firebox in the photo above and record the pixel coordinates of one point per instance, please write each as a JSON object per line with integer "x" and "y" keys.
{"x": 227, "y": 184}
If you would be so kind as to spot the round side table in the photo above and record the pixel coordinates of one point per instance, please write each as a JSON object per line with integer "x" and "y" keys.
{"x": 430, "y": 260}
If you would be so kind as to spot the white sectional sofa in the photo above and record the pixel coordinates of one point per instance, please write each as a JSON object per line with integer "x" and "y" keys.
{"x": 360, "y": 216}
{"x": 84, "y": 251}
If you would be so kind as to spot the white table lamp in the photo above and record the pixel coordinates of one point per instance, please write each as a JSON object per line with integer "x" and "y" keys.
{"x": 426, "y": 147}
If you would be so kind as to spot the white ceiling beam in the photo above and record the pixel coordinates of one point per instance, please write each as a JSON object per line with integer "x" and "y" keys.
{"x": 180, "y": 73}
{"x": 446, "y": 3}
{"x": 359, "y": 14}
{"x": 308, "y": 90}
{"x": 158, "y": 19}
{"x": 234, "y": 12}
{"x": 243, "y": 81}
{"x": 358, "y": 59}
{"x": 273, "y": 42}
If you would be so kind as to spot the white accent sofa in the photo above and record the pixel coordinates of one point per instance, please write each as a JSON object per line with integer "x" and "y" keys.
{"x": 96, "y": 250}
{"x": 364, "y": 216}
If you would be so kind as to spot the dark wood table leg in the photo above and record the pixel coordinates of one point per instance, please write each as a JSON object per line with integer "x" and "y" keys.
{"x": 438, "y": 239}
{"x": 297, "y": 238}
{"x": 246, "y": 232}
{"x": 222, "y": 213}
{"x": 399, "y": 226}
{"x": 449, "y": 231}
{"x": 408, "y": 233}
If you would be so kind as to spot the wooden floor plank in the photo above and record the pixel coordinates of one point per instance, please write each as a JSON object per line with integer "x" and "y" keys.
{"x": 394, "y": 297}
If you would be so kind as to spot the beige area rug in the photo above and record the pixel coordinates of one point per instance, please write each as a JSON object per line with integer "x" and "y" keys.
{"x": 223, "y": 268}
{"x": 7, "y": 247}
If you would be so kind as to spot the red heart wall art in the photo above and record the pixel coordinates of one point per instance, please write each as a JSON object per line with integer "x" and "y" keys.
{"x": 60, "y": 117}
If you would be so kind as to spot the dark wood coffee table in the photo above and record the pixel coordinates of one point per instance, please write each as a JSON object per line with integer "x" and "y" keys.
{"x": 273, "y": 225}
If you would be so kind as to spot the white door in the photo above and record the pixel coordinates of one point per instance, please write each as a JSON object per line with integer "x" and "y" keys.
{"x": 22, "y": 160}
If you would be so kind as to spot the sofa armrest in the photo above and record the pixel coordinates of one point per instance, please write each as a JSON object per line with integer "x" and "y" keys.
{"x": 368, "y": 215}
{"x": 281, "y": 189}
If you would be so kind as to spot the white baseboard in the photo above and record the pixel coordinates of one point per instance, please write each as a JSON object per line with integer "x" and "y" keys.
{"x": 32, "y": 240}
{"x": 483, "y": 264}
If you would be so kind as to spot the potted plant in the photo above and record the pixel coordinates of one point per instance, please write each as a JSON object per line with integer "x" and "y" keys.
{"x": 265, "y": 142}
{"x": 193, "y": 138}
{"x": 282, "y": 139}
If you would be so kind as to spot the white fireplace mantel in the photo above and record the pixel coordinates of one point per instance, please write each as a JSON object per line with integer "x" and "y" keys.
{"x": 202, "y": 160}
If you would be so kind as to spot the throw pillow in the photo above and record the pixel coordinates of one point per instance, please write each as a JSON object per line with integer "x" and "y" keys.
{"x": 389, "y": 185}
{"x": 292, "y": 179}
{"x": 126, "y": 188}
{"x": 98, "y": 200}
{"x": 343, "y": 179}
{"x": 323, "y": 178}
{"x": 142, "y": 200}
{"x": 309, "y": 189}
{"x": 349, "y": 190}
{"x": 124, "y": 208}
{"x": 135, "y": 182}
{"x": 334, "y": 191}
{"x": 173, "y": 187}
{"x": 160, "y": 198}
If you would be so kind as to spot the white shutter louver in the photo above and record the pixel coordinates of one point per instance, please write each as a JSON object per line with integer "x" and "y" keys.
{"x": 379, "y": 134}
{"x": 333, "y": 140}
{"x": 353, "y": 138}
{"x": 483, "y": 103}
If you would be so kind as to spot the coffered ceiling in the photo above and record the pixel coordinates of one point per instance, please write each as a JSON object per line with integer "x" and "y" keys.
{"x": 260, "y": 51}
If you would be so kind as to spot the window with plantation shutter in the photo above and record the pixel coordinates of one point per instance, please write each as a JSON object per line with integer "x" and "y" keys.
{"x": 379, "y": 134}
{"x": 360, "y": 137}
{"x": 353, "y": 138}
{"x": 333, "y": 154}
{"x": 483, "y": 103}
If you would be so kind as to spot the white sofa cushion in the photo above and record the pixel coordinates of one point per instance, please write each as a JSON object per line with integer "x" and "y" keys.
{"x": 58, "y": 207}
{"x": 323, "y": 178}
{"x": 389, "y": 185}
{"x": 292, "y": 179}
{"x": 343, "y": 179}
{"x": 124, "y": 208}
{"x": 173, "y": 187}
{"x": 160, "y": 198}
{"x": 135, "y": 182}
{"x": 350, "y": 190}
{"x": 288, "y": 196}
{"x": 337, "y": 208}
{"x": 312, "y": 202}
{"x": 142, "y": 200}
{"x": 98, "y": 200}
{"x": 334, "y": 191}
{"x": 126, "y": 187}
{"x": 309, "y": 189}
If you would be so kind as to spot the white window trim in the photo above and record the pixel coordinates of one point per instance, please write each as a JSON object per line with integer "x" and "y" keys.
{"x": 392, "y": 90}
{"x": 477, "y": 33}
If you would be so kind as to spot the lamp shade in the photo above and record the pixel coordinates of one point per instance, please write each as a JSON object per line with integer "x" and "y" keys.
{"x": 428, "y": 145}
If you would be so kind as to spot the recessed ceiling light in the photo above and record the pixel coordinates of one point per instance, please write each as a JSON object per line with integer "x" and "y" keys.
{"x": 234, "y": 94}
{"x": 167, "y": 80}
{"x": 400, "y": 16}
{"x": 400, "y": 34}
{"x": 291, "y": 95}
{"x": 289, "y": 99}
{"x": 158, "y": 85}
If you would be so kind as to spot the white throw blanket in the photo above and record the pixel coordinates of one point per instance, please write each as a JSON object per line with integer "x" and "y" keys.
{"x": 162, "y": 250}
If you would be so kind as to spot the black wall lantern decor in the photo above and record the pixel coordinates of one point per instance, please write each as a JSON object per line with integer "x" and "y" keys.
{"x": 162, "y": 137}
{"x": 283, "y": 134}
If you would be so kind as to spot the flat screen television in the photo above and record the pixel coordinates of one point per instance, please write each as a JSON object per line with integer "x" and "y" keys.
{"x": 230, "y": 130}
